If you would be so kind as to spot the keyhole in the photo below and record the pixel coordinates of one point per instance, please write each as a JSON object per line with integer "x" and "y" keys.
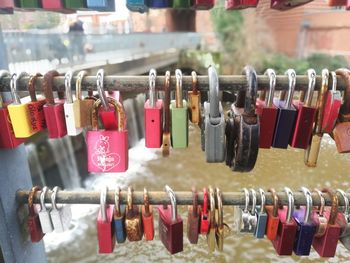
{"x": 193, "y": 108}
{"x": 152, "y": 120}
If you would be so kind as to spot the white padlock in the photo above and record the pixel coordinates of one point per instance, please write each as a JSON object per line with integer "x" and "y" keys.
{"x": 44, "y": 213}
{"x": 60, "y": 216}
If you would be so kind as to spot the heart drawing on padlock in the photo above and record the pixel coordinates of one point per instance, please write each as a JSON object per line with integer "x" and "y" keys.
{"x": 102, "y": 157}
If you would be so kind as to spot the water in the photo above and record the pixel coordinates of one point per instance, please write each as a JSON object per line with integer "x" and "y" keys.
{"x": 184, "y": 168}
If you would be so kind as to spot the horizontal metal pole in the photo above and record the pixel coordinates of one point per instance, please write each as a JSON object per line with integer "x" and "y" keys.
{"x": 139, "y": 84}
{"x": 183, "y": 198}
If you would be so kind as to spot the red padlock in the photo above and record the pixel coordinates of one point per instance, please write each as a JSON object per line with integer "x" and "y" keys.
{"x": 205, "y": 220}
{"x": 107, "y": 150}
{"x": 336, "y": 2}
{"x": 35, "y": 106}
{"x": 326, "y": 244}
{"x": 267, "y": 112}
{"x": 332, "y": 106}
{"x": 287, "y": 4}
{"x": 34, "y": 226}
{"x": 7, "y": 6}
{"x": 194, "y": 215}
{"x": 153, "y": 112}
{"x": 147, "y": 217}
{"x": 287, "y": 228}
{"x": 240, "y": 4}
{"x": 203, "y": 4}
{"x": 55, "y": 6}
{"x": 105, "y": 225}
{"x": 305, "y": 116}
{"x": 7, "y": 135}
{"x": 272, "y": 217}
{"x": 54, "y": 112}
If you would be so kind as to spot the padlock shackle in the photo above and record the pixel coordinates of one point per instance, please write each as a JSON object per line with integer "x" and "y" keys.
{"x": 252, "y": 211}
{"x": 53, "y": 197}
{"x": 247, "y": 199}
{"x": 220, "y": 221}
{"x": 129, "y": 202}
{"x": 346, "y": 201}
{"x": 263, "y": 200}
{"x": 194, "y": 202}
{"x": 47, "y": 86}
{"x": 194, "y": 83}
{"x": 178, "y": 94}
{"x": 68, "y": 86}
{"x": 80, "y": 79}
{"x": 334, "y": 207}
{"x": 334, "y": 81}
{"x": 322, "y": 202}
{"x": 42, "y": 199}
{"x": 30, "y": 199}
{"x": 205, "y": 201}
{"x": 290, "y": 211}
{"x": 13, "y": 84}
{"x": 251, "y": 90}
{"x": 103, "y": 203}
{"x": 321, "y": 101}
{"x": 345, "y": 107}
{"x": 152, "y": 88}
{"x": 100, "y": 88}
{"x": 275, "y": 201}
{"x": 31, "y": 86}
{"x": 311, "y": 74}
{"x": 172, "y": 197}
{"x": 212, "y": 206}
{"x": 146, "y": 202}
{"x": 213, "y": 93}
{"x": 167, "y": 102}
{"x": 117, "y": 202}
{"x": 3, "y": 74}
{"x": 292, "y": 81}
{"x": 309, "y": 204}
{"x": 272, "y": 76}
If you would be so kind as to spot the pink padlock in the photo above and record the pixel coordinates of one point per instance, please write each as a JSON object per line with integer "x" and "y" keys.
{"x": 55, "y": 6}
{"x": 7, "y": 6}
{"x": 153, "y": 111}
{"x": 107, "y": 150}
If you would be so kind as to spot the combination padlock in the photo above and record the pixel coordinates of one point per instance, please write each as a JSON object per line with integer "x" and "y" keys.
{"x": 70, "y": 107}
{"x": 272, "y": 217}
{"x": 166, "y": 131}
{"x": 34, "y": 226}
{"x": 261, "y": 217}
{"x": 105, "y": 225}
{"x": 194, "y": 100}
{"x": 179, "y": 116}
{"x": 101, "y": 5}
{"x": 214, "y": 120}
{"x": 60, "y": 216}
{"x": 194, "y": 215}
{"x": 170, "y": 225}
{"x": 44, "y": 213}
{"x": 119, "y": 218}
{"x": 147, "y": 217}
{"x": 133, "y": 219}
{"x": 7, "y": 6}
{"x": 153, "y": 115}
{"x": 137, "y": 6}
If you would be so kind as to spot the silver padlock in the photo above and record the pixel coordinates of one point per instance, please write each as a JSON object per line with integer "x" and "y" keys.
{"x": 214, "y": 121}
{"x": 44, "y": 214}
{"x": 345, "y": 231}
{"x": 60, "y": 216}
{"x": 242, "y": 215}
{"x": 253, "y": 217}
{"x": 69, "y": 107}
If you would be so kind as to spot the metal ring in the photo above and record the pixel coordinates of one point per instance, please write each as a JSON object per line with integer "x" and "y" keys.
{"x": 292, "y": 82}
{"x": 42, "y": 198}
{"x": 178, "y": 97}
{"x": 212, "y": 204}
{"x": 53, "y": 197}
{"x": 290, "y": 204}
{"x": 172, "y": 197}
{"x": 103, "y": 201}
{"x": 213, "y": 92}
{"x": 68, "y": 85}
{"x": 309, "y": 204}
{"x": 100, "y": 88}
{"x": 263, "y": 200}
{"x": 251, "y": 91}
{"x": 311, "y": 74}
{"x": 117, "y": 201}
{"x": 253, "y": 201}
{"x": 322, "y": 202}
{"x": 247, "y": 199}
{"x": 31, "y": 197}
{"x": 272, "y": 76}
{"x": 152, "y": 87}
{"x": 275, "y": 201}
{"x": 346, "y": 201}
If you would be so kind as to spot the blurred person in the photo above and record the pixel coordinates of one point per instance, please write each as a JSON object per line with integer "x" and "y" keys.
{"x": 76, "y": 39}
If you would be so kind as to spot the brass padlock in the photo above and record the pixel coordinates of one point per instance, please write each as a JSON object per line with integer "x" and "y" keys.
{"x": 82, "y": 107}
{"x": 133, "y": 219}
{"x": 211, "y": 236}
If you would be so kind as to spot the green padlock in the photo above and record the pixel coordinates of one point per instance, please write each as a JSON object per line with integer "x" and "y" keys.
{"x": 179, "y": 116}
{"x": 75, "y": 4}
{"x": 33, "y": 4}
{"x": 181, "y": 3}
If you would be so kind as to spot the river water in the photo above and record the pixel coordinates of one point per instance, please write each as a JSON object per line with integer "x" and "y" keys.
{"x": 183, "y": 169}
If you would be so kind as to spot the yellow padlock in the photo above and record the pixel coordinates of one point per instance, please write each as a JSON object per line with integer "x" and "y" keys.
{"x": 19, "y": 113}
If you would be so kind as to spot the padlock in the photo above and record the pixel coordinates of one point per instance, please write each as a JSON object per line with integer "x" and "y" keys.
{"x": 56, "y": 6}
{"x": 60, "y": 217}
{"x": 306, "y": 228}
{"x": 19, "y": 113}
{"x": 133, "y": 219}
{"x": 101, "y": 5}
{"x": 159, "y": 3}
{"x": 318, "y": 217}
{"x": 70, "y": 107}
{"x": 272, "y": 217}
{"x": 194, "y": 100}
{"x": 75, "y": 5}
{"x": 7, "y": 135}
{"x": 332, "y": 106}
{"x": 194, "y": 215}
{"x": 147, "y": 217}
{"x": 203, "y": 4}
{"x": 54, "y": 112}
{"x": 313, "y": 149}
{"x": 287, "y": 4}
{"x": 341, "y": 131}
{"x": 253, "y": 220}
{"x": 166, "y": 130}
{"x": 242, "y": 215}
{"x": 170, "y": 225}
{"x": 305, "y": 116}
{"x": 261, "y": 217}
{"x": 89, "y": 100}
{"x": 119, "y": 218}
{"x": 137, "y": 6}
{"x": 286, "y": 115}
{"x": 205, "y": 220}
{"x": 34, "y": 226}
{"x": 248, "y": 127}
{"x": 343, "y": 220}
{"x": 181, "y": 4}
{"x": 336, "y": 2}
{"x": 7, "y": 6}
{"x": 220, "y": 222}
{"x": 267, "y": 112}
{"x": 105, "y": 225}
{"x": 287, "y": 228}
{"x": 326, "y": 245}
{"x": 211, "y": 236}
{"x": 240, "y": 4}
{"x": 214, "y": 121}
{"x": 179, "y": 118}
{"x": 44, "y": 214}
{"x": 107, "y": 150}
{"x": 31, "y": 4}
{"x": 153, "y": 115}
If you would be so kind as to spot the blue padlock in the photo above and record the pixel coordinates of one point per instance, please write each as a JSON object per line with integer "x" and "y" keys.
{"x": 159, "y": 3}
{"x": 137, "y": 5}
{"x": 119, "y": 218}
{"x": 306, "y": 229}
{"x": 101, "y": 5}
{"x": 261, "y": 216}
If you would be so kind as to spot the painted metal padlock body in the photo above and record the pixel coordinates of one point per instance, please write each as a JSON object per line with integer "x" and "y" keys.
{"x": 214, "y": 136}
{"x": 170, "y": 232}
{"x": 105, "y": 231}
{"x": 34, "y": 227}
{"x": 76, "y": 4}
{"x": 159, "y": 3}
{"x": 7, "y": 6}
{"x": 20, "y": 120}
{"x": 240, "y": 4}
{"x": 284, "y": 125}
{"x": 261, "y": 224}
{"x": 108, "y": 118}
{"x": 267, "y": 118}
{"x": 107, "y": 151}
{"x": 69, "y": 113}
{"x": 55, "y": 120}
{"x": 331, "y": 110}
{"x": 341, "y": 134}
{"x": 272, "y": 223}
{"x": 194, "y": 102}
{"x": 36, "y": 115}
{"x": 148, "y": 224}
{"x": 336, "y": 2}
{"x": 82, "y": 112}
{"x": 179, "y": 125}
{"x": 101, "y": 5}
{"x": 303, "y": 126}
{"x": 181, "y": 3}
{"x": 203, "y": 4}
{"x": 137, "y": 6}
{"x": 153, "y": 118}
{"x": 284, "y": 241}
{"x": 133, "y": 224}
{"x": 345, "y": 230}
{"x": 32, "y": 4}
{"x": 304, "y": 235}
{"x": 56, "y": 6}
{"x": 119, "y": 225}
{"x": 61, "y": 218}
{"x": 7, "y": 135}
{"x": 45, "y": 221}
{"x": 287, "y": 4}
{"x": 193, "y": 225}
